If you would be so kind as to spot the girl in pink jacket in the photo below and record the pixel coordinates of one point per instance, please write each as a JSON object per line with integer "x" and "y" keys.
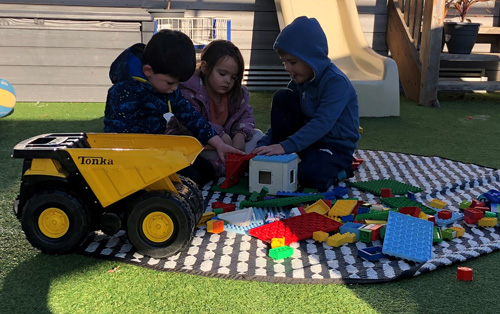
{"x": 215, "y": 90}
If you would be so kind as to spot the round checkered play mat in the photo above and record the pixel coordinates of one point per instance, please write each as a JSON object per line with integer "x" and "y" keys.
{"x": 234, "y": 254}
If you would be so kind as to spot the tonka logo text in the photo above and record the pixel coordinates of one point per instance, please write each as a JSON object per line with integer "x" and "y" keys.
{"x": 84, "y": 160}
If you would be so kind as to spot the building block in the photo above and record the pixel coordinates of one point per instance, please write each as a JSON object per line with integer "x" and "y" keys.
{"x": 435, "y": 203}
{"x": 215, "y": 226}
{"x": 385, "y": 192}
{"x": 262, "y": 194}
{"x": 449, "y": 234}
{"x": 373, "y": 214}
{"x": 277, "y": 173}
{"x": 375, "y": 186}
{"x": 239, "y": 217}
{"x": 490, "y": 214}
{"x": 296, "y": 211}
{"x": 319, "y": 207}
{"x": 365, "y": 235}
{"x": 347, "y": 218}
{"x": 483, "y": 209}
{"x": 225, "y": 206}
{"x": 401, "y": 201}
{"x": 411, "y": 210}
{"x": 320, "y": 236}
{"x": 342, "y": 208}
{"x": 444, "y": 214}
{"x": 372, "y": 253}
{"x": 488, "y": 222}
{"x": 295, "y": 228}
{"x": 279, "y": 202}
{"x": 464, "y": 273}
{"x": 338, "y": 239}
{"x": 218, "y": 211}
{"x": 277, "y": 242}
{"x": 437, "y": 235}
{"x": 235, "y": 166}
{"x": 459, "y": 231}
{"x": 281, "y": 252}
{"x": 465, "y": 204}
{"x": 240, "y": 188}
{"x": 476, "y": 203}
{"x": 204, "y": 218}
{"x": 408, "y": 238}
{"x": 351, "y": 227}
{"x": 376, "y": 231}
{"x": 473, "y": 215}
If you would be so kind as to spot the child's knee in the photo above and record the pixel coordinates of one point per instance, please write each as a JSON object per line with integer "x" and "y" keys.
{"x": 315, "y": 177}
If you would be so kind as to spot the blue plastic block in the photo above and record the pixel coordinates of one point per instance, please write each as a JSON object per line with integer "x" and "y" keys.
{"x": 408, "y": 237}
{"x": 371, "y": 253}
{"x": 347, "y": 218}
{"x": 363, "y": 210}
{"x": 351, "y": 227}
{"x": 411, "y": 195}
{"x": 276, "y": 158}
{"x": 328, "y": 195}
{"x": 443, "y": 222}
{"x": 340, "y": 191}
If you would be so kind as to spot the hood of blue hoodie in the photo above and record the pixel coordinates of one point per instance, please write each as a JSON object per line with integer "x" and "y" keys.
{"x": 128, "y": 65}
{"x": 304, "y": 39}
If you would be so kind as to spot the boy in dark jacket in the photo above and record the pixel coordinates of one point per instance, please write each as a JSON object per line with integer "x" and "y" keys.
{"x": 317, "y": 115}
{"x": 145, "y": 94}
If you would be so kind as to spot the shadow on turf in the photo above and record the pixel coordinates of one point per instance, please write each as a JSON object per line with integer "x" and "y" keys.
{"x": 26, "y": 288}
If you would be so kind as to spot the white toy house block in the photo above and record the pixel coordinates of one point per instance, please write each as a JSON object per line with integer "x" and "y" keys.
{"x": 277, "y": 173}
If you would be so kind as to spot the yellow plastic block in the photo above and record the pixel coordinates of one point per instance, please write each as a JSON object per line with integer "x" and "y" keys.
{"x": 204, "y": 218}
{"x": 277, "y": 242}
{"x": 423, "y": 216}
{"x": 338, "y": 239}
{"x": 342, "y": 208}
{"x": 319, "y": 207}
{"x": 215, "y": 226}
{"x": 320, "y": 236}
{"x": 435, "y": 203}
{"x": 460, "y": 231}
{"x": 488, "y": 222}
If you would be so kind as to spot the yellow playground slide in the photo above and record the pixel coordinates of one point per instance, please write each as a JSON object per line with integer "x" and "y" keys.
{"x": 374, "y": 76}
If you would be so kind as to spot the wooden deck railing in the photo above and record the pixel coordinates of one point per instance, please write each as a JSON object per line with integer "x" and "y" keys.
{"x": 414, "y": 36}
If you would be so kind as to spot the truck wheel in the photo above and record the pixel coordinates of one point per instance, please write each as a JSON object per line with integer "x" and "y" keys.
{"x": 55, "y": 221}
{"x": 194, "y": 197}
{"x": 160, "y": 224}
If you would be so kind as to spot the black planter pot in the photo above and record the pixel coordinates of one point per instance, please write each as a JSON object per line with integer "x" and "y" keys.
{"x": 460, "y": 37}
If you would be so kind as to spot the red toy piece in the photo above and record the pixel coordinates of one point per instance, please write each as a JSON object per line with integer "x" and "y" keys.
{"x": 235, "y": 166}
{"x": 410, "y": 210}
{"x": 476, "y": 203}
{"x": 385, "y": 192}
{"x": 225, "y": 207}
{"x": 464, "y": 273}
{"x": 356, "y": 162}
{"x": 444, "y": 214}
{"x": 295, "y": 228}
{"x": 472, "y": 215}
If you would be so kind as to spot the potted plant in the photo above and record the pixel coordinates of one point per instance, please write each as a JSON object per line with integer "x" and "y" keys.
{"x": 460, "y": 37}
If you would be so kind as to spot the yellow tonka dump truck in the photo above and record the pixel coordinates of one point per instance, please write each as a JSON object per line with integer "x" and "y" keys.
{"x": 76, "y": 183}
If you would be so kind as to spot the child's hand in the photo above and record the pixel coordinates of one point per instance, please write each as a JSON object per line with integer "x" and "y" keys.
{"x": 239, "y": 141}
{"x": 222, "y": 148}
{"x": 275, "y": 149}
{"x": 226, "y": 139}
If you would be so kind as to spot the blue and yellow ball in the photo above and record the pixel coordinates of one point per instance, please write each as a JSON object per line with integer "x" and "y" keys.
{"x": 7, "y": 98}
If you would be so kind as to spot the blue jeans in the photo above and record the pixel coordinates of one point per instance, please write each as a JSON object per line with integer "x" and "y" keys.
{"x": 320, "y": 162}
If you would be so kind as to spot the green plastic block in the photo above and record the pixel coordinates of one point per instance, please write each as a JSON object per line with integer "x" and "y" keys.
{"x": 218, "y": 210}
{"x": 278, "y": 202}
{"x": 281, "y": 252}
{"x": 489, "y": 214}
{"x": 449, "y": 234}
{"x": 241, "y": 188}
{"x": 365, "y": 235}
{"x": 403, "y": 201}
{"x": 374, "y": 214}
{"x": 465, "y": 204}
{"x": 375, "y": 186}
{"x": 381, "y": 232}
{"x": 437, "y": 236}
{"x": 263, "y": 193}
{"x": 254, "y": 197}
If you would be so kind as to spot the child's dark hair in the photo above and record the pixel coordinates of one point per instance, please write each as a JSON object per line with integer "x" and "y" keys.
{"x": 172, "y": 53}
{"x": 219, "y": 49}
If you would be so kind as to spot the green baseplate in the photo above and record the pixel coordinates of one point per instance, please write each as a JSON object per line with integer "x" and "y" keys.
{"x": 375, "y": 186}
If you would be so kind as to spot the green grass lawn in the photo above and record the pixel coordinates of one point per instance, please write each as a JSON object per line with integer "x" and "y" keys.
{"x": 462, "y": 129}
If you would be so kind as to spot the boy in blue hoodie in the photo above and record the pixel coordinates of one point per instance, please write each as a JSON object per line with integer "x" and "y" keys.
{"x": 145, "y": 94}
{"x": 317, "y": 115}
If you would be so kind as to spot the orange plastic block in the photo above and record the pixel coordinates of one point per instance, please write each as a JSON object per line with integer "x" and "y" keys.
{"x": 277, "y": 242}
{"x": 342, "y": 208}
{"x": 215, "y": 226}
{"x": 320, "y": 236}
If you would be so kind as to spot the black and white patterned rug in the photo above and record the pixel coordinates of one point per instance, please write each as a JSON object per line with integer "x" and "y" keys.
{"x": 234, "y": 254}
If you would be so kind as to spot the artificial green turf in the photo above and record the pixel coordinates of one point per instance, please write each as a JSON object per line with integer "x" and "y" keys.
{"x": 32, "y": 282}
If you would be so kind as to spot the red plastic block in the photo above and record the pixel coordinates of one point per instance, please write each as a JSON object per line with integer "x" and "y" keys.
{"x": 431, "y": 218}
{"x": 464, "y": 273}
{"x": 473, "y": 215}
{"x": 386, "y": 192}
{"x": 483, "y": 209}
{"x": 235, "y": 166}
{"x": 376, "y": 232}
{"x": 225, "y": 207}
{"x": 444, "y": 214}
{"x": 410, "y": 210}
{"x": 356, "y": 162}
{"x": 295, "y": 228}
{"x": 476, "y": 203}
